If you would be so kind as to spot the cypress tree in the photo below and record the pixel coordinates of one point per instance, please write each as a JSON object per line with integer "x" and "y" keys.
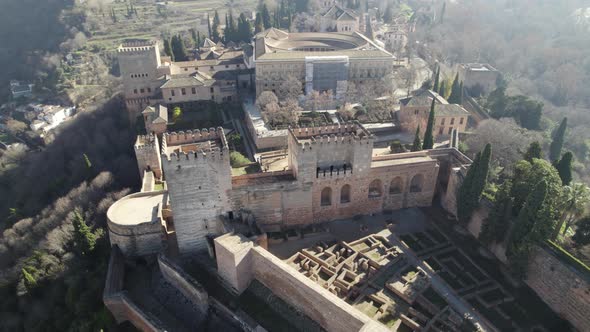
{"x": 496, "y": 225}
{"x": 473, "y": 185}
{"x": 417, "y": 146}
{"x": 557, "y": 143}
{"x": 564, "y": 168}
{"x": 266, "y": 17}
{"x": 428, "y": 138}
{"x": 194, "y": 36}
{"x": 443, "y": 89}
{"x": 168, "y": 48}
{"x": 534, "y": 151}
{"x": 460, "y": 93}
{"x": 244, "y": 28}
{"x": 258, "y": 27}
{"x": 209, "y": 26}
{"x": 455, "y": 96}
{"x": 436, "y": 85}
{"x": 178, "y": 48}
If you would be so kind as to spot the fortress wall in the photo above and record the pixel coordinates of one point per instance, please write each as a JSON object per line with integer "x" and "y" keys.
{"x": 184, "y": 283}
{"x": 325, "y": 308}
{"x": 117, "y": 301}
{"x": 147, "y": 155}
{"x": 561, "y": 286}
{"x": 198, "y": 186}
{"x": 137, "y": 240}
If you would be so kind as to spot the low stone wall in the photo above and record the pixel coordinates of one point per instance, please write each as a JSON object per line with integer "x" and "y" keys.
{"x": 565, "y": 289}
{"x": 184, "y": 283}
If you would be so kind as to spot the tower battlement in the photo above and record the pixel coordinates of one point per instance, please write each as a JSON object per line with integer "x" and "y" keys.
{"x": 349, "y": 133}
{"x": 214, "y": 154}
{"x": 137, "y": 46}
{"x": 195, "y": 136}
{"x": 145, "y": 142}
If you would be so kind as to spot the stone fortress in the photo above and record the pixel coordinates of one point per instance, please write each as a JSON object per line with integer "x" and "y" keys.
{"x": 330, "y": 174}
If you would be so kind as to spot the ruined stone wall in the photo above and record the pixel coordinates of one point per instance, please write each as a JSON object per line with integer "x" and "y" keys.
{"x": 189, "y": 287}
{"x": 561, "y": 286}
{"x": 198, "y": 185}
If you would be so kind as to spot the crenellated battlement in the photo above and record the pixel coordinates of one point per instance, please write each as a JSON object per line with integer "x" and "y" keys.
{"x": 307, "y": 132}
{"x": 195, "y": 136}
{"x": 179, "y": 158}
{"x": 146, "y": 142}
{"x": 137, "y": 47}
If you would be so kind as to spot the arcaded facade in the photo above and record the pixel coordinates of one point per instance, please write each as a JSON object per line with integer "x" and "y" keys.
{"x": 330, "y": 174}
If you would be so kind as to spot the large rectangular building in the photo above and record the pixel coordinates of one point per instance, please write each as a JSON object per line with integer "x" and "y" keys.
{"x": 319, "y": 60}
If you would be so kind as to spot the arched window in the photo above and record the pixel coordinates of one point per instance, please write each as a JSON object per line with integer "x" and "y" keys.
{"x": 375, "y": 189}
{"x": 326, "y": 197}
{"x": 396, "y": 186}
{"x": 417, "y": 183}
{"x": 345, "y": 194}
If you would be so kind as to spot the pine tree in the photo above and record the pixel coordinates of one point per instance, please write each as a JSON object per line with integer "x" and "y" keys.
{"x": 557, "y": 143}
{"x": 473, "y": 185}
{"x": 428, "y": 137}
{"x": 84, "y": 239}
{"x": 534, "y": 151}
{"x": 258, "y": 27}
{"x": 455, "y": 97}
{"x": 266, "y": 17}
{"x": 564, "y": 168}
{"x": 436, "y": 85}
{"x": 168, "y": 48}
{"x": 417, "y": 146}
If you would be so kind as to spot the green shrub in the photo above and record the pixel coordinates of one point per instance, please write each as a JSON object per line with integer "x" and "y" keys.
{"x": 237, "y": 159}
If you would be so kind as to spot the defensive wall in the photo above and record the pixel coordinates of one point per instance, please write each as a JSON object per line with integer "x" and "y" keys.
{"x": 118, "y": 302}
{"x": 239, "y": 261}
{"x": 559, "y": 283}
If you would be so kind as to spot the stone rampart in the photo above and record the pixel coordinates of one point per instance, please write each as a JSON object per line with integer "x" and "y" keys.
{"x": 117, "y": 301}
{"x": 564, "y": 288}
{"x": 239, "y": 261}
{"x": 189, "y": 287}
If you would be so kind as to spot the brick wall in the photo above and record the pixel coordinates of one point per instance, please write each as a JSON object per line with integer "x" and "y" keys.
{"x": 561, "y": 286}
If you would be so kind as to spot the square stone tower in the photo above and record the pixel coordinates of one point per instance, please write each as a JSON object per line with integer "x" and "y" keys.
{"x": 138, "y": 64}
{"x": 198, "y": 173}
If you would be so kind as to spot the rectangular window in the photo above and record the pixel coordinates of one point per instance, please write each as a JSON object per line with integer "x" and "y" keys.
{"x": 442, "y": 122}
{"x": 228, "y": 98}
{"x": 211, "y": 68}
{"x": 183, "y": 91}
{"x": 185, "y": 69}
{"x": 450, "y": 130}
{"x": 149, "y": 89}
{"x": 212, "y": 97}
{"x": 211, "y": 90}
{"x": 461, "y": 120}
{"x": 226, "y": 66}
{"x": 135, "y": 91}
{"x": 141, "y": 90}
{"x": 415, "y": 112}
{"x": 452, "y": 121}
{"x": 172, "y": 92}
{"x": 194, "y": 91}
{"x": 440, "y": 131}
{"x": 237, "y": 66}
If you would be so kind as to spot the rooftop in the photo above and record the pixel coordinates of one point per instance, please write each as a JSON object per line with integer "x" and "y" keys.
{"x": 138, "y": 208}
{"x": 179, "y": 81}
{"x": 274, "y": 44}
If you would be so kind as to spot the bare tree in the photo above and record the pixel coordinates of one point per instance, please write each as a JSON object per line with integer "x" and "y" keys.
{"x": 291, "y": 88}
